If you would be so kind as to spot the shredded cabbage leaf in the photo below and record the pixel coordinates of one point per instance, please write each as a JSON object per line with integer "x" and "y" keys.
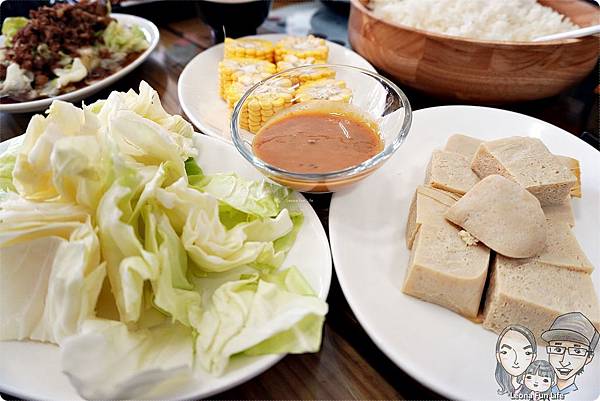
{"x": 17, "y": 80}
{"x": 11, "y": 26}
{"x": 72, "y": 73}
{"x": 116, "y": 246}
{"x": 120, "y": 38}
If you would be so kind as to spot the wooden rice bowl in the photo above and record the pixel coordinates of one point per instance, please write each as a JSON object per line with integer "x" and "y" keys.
{"x": 475, "y": 70}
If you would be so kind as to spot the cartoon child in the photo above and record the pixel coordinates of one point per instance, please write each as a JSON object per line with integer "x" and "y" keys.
{"x": 538, "y": 380}
{"x": 515, "y": 350}
{"x": 571, "y": 339}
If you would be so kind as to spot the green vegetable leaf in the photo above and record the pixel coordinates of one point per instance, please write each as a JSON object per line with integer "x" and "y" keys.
{"x": 7, "y": 165}
{"x": 196, "y": 177}
{"x": 258, "y": 316}
{"x": 55, "y": 275}
{"x": 71, "y": 73}
{"x": 11, "y": 26}
{"x": 259, "y": 198}
{"x": 124, "y": 39}
{"x": 109, "y": 361}
{"x": 129, "y": 264}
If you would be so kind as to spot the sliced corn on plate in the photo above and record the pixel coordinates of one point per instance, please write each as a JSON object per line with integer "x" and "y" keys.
{"x": 303, "y": 47}
{"x": 230, "y": 70}
{"x": 249, "y": 61}
{"x": 299, "y": 77}
{"x": 249, "y": 48}
{"x": 324, "y": 89}
{"x": 243, "y": 82}
{"x": 265, "y": 103}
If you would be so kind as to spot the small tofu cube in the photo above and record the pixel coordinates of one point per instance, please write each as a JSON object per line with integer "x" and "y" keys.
{"x": 428, "y": 206}
{"x": 463, "y": 144}
{"x": 444, "y": 270}
{"x": 450, "y": 172}
{"x": 528, "y": 162}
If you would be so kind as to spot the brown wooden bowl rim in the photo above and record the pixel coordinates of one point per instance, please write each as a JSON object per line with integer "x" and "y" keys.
{"x": 498, "y": 43}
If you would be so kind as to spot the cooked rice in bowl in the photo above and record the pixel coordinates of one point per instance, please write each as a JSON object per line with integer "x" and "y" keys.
{"x": 498, "y": 20}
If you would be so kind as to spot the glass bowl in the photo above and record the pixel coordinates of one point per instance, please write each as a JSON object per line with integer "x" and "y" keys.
{"x": 378, "y": 98}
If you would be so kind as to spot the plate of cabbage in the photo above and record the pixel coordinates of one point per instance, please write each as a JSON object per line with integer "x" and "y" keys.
{"x": 139, "y": 259}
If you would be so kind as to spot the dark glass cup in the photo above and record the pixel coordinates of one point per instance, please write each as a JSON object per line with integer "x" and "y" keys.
{"x": 233, "y": 18}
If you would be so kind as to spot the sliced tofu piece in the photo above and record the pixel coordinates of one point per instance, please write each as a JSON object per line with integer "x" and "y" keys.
{"x": 563, "y": 250}
{"x": 445, "y": 271}
{"x": 463, "y": 144}
{"x": 527, "y": 162}
{"x": 573, "y": 165}
{"x": 534, "y": 294}
{"x": 450, "y": 172}
{"x": 562, "y": 212}
{"x": 502, "y": 215}
{"x": 427, "y": 207}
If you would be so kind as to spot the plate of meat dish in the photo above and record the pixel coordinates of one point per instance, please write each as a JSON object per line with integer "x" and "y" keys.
{"x": 68, "y": 52}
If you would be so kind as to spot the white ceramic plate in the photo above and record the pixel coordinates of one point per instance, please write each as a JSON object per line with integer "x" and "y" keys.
{"x": 150, "y": 31}
{"x": 32, "y": 370}
{"x": 198, "y": 86}
{"x": 446, "y": 352}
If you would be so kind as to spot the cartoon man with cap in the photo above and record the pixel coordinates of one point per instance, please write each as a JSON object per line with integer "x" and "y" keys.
{"x": 571, "y": 340}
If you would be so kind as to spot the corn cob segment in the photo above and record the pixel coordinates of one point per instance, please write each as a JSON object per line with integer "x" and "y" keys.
{"x": 264, "y": 103}
{"x": 307, "y": 74}
{"x": 249, "y": 48}
{"x": 302, "y": 47}
{"x": 324, "y": 89}
{"x": 243, "y": 82}
{"x": 230, "y": 70}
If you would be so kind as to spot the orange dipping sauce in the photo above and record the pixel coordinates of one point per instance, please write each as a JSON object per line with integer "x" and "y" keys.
{"x": 319, "y": 137}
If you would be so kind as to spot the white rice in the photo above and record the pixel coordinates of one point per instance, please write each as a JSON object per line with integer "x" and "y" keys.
{"x": 502, "y": 20}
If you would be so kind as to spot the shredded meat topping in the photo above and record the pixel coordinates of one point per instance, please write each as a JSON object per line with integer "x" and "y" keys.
{"x": 55, "y": 31}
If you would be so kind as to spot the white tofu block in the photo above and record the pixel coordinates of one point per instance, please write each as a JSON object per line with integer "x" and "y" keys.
{"x": 444, "y": 270}
{"x": 527, "y": 162}
{"x": 463, "y": 144}
{"x": 562, "y": 212}
{"x": 534, "y": 294}
{"x": 427, "y": 207}
{"x": 450, "y": 172}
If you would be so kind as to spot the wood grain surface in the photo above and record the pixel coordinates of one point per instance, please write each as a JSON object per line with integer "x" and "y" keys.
{"x": 349, "y": 365}
{"x": 475, "y": 70}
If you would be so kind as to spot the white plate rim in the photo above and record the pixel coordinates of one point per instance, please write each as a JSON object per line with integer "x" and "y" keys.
{"x": 152, "y": 35}
{"x": 407, "y": 364}
{"x": 264, "y": 362}
{"x": 197, "y": 122}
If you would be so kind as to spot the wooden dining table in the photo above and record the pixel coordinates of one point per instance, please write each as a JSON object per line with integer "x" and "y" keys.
{"x": 349, "y": 364}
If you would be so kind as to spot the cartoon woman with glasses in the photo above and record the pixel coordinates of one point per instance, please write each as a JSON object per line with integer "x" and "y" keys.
{"x": 515, "y": 350}
{"x": 538, "y": 380}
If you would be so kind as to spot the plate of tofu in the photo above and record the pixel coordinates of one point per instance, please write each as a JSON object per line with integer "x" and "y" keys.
{"x": 482, "y": 228}
{"x": 212, "y": 82}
